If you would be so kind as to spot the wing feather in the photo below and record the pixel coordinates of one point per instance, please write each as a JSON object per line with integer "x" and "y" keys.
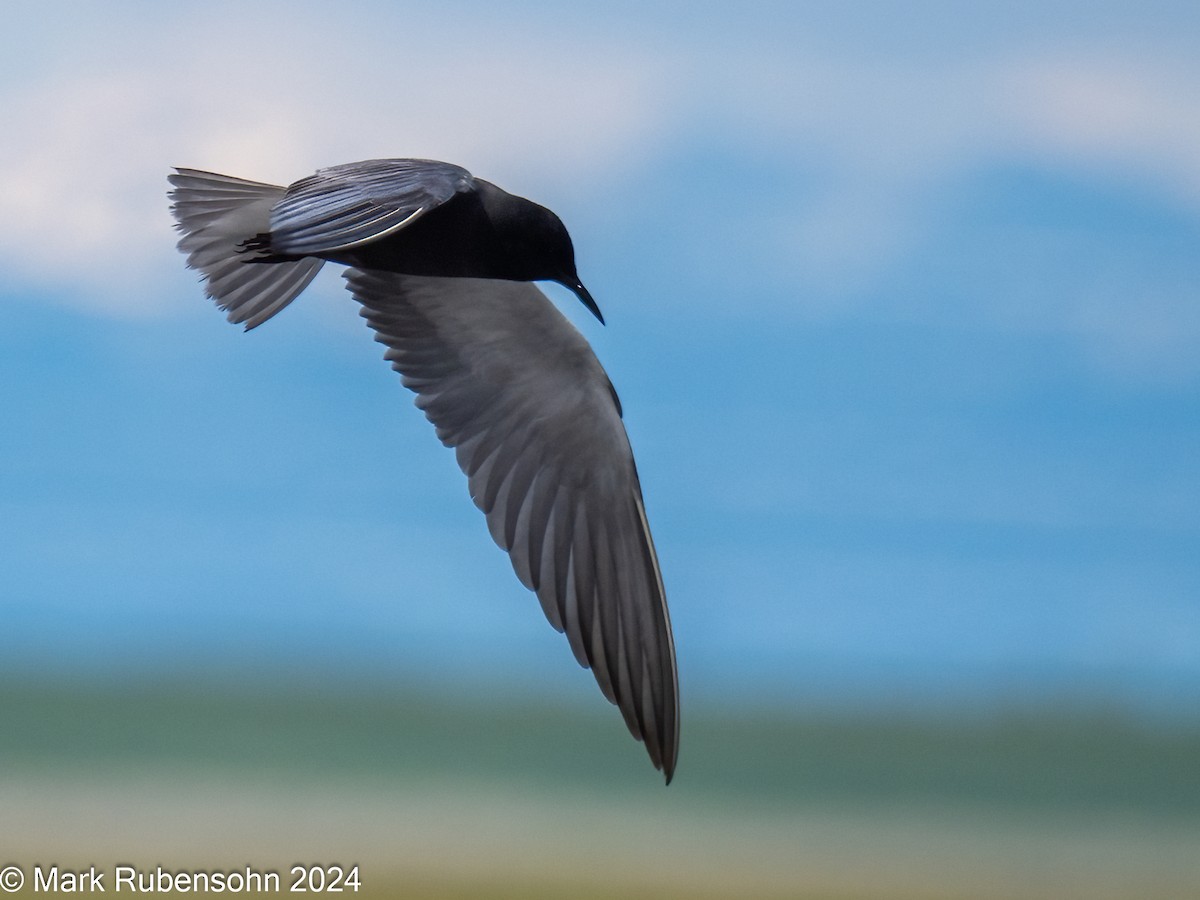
{"x": 342, "y": 207}
{"x": 509, "y": 383}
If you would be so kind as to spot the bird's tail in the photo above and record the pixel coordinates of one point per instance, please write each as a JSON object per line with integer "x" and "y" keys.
{"x": 219, "y": 217}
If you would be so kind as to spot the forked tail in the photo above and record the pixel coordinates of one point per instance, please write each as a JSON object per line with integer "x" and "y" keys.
{"x": 220, "y": 216}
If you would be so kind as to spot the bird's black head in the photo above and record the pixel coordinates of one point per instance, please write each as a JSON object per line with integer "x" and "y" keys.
{"x": 559, "y": 253}
{"x": 536, "y": 244}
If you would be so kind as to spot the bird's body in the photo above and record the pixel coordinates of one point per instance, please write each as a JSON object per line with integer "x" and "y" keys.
{"x": 440, "y": 262}
{"x": 455, "y": 240}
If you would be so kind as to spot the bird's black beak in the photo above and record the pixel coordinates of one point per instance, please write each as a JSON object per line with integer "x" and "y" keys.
{"x": 585, "y": 298}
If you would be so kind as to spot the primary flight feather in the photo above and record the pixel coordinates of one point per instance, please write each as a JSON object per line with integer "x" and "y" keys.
{"x": 441, "y": 263}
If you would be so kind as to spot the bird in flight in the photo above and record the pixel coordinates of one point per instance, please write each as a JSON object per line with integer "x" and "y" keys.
{"x": 441, "y": 263}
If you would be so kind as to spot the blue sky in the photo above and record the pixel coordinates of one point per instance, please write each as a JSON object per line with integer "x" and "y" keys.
{"x": 902, "y": 305}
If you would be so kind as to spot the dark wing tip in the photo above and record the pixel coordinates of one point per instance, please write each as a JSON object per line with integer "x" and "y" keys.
{"x": 669, "y": 751}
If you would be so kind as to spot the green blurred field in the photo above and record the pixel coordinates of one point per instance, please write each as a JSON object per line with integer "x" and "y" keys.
{"x": 435, "y": 796}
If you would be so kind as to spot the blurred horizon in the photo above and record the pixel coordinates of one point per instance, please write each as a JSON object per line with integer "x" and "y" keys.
{"x": 439, "y": 794}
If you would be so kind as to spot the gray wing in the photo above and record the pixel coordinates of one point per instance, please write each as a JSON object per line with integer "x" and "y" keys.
{"x": 536, "y": 426}
{"x": 343, "y": 206}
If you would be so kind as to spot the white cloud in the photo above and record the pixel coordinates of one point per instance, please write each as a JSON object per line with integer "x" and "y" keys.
{"x": 83, "y": 175}
{"x": 1140, "y": 116}
{"x": 888, "y": 146}
{"x": 882, "y": 141}
{"x": 887, "y": 138}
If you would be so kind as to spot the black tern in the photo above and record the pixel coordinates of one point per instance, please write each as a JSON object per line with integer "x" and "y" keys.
{"x": 442, "y": 264}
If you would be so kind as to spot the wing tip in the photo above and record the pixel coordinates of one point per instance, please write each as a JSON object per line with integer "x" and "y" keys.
{"x": 669, "y": 760}
{"x": 666, "y": 754}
